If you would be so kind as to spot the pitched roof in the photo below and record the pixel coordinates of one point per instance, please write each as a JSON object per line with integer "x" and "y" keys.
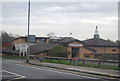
{"x": 98, "y": 42}
{"x": 66, "y": 40}
{"x": 41, "y": 47}
{"x": 10, "y": 51}
{"x": 26, "y": 37}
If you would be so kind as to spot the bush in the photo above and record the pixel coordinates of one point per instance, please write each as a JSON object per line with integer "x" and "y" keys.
{"x": 59, "y": 51}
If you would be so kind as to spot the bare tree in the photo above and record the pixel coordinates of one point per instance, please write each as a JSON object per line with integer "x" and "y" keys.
{"x": 6, "y": 37}
{"x": 51, "y": 34}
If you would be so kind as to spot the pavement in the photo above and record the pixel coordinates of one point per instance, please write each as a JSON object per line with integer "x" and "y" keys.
{"x": 89, "y": 70}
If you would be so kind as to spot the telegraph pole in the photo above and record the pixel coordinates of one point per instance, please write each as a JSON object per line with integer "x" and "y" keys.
{"x": 28, "y": 50}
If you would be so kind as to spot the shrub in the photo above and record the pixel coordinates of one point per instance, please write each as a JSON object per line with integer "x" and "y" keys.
{"x": 59, "y": 51}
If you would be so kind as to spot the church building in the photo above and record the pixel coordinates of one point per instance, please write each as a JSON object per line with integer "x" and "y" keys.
{"x": 101, "y": 46}
{"x": 91, "y": 47}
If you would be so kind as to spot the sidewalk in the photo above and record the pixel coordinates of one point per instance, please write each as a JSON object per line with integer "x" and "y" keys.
{"x": 95, "y": 71}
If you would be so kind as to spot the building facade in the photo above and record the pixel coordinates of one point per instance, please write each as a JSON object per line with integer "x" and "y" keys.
{"x": 21, "y": 44}
{"x": 77, "y": 50}
{"x": 100, "y": 45}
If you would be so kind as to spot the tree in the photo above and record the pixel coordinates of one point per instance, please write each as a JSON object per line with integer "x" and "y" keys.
{"x": 118, "y": 41}
{"x": 6, "y": 40}
{"x": 109, "y": 40}
{"x": 50, "y": 34}
{"x": 59, "y": 51}
{"x": 5, "y": 37}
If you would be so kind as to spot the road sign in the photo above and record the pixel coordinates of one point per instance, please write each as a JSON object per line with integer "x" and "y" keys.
{"x": 31, "y": 38}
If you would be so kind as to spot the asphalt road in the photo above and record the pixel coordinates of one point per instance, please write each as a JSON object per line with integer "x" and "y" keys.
{"x": 15, "y": 70}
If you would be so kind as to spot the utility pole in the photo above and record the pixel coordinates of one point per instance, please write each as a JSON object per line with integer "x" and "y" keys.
{"x": 28, "y": 50}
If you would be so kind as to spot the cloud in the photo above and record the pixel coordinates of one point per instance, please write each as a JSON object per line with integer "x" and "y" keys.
{"x": 61, "y": 1}
{"x": 75, "y": 7}
{"x": 62, "y": 18}
{"x": 55, "y": 8}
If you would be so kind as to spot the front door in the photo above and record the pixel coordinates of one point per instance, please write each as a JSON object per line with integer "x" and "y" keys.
{"x": 75, "y": 52}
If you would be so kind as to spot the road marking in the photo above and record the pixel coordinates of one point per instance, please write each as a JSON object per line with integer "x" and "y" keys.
{"x": 19, "y": 76}
{"x": 77, "y": 74}
{"x": 14, "y": 61}
{"x": 17, "y": 61}
{"x": 57, "y": 71}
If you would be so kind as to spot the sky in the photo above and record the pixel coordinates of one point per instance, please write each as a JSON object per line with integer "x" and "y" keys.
{"x": 62, "y": 18}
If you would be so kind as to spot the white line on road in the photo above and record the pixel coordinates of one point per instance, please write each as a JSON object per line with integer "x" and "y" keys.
{"x": 19, "y": 76}
{"x": 14, "y": 61}
{"x": 56, "y": 71}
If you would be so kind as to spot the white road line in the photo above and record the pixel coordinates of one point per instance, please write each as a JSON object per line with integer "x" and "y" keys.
{"x": 14, "y": 61}
{"x": 57, "y": 71}
{"x": 19, "y": 76}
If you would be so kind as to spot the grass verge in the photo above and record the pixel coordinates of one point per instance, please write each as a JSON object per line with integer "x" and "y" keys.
{"x": 86, "y": 64}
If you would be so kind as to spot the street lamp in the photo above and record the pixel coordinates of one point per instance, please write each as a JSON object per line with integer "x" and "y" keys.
{"x": 27, "y": 60}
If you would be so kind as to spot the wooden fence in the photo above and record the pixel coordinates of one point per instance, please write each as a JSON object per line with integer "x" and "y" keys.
{"x": 84, "y": 61}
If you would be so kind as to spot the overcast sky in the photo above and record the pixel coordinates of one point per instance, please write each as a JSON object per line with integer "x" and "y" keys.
{"x": 62, "y": 18}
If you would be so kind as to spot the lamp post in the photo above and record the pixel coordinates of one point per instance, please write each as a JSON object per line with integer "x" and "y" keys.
{"x": 28, "y": 50}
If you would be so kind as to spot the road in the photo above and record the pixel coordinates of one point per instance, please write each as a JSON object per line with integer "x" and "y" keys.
{"x": 12, "y": 69}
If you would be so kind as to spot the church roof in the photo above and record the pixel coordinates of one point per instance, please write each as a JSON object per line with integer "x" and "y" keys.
{"x": 98, "y": 42}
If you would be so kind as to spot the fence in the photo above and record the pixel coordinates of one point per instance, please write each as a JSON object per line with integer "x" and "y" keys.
{"x": 84, "y": 61}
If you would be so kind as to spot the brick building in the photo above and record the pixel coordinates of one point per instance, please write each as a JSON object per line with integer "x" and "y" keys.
{"x": 100, "y": 45}
{"x": 21, "y": 43}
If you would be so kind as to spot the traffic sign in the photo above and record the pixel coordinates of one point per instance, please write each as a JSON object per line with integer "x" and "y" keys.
{"x": 31, "y": 38}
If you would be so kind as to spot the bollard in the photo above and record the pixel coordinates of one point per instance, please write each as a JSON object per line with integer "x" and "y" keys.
{"x": 73, "y": 60}
{"x": 59, "y": 60}
{"x": 76, "y": 62}
{"x": 83, "y": 62}
{"x": 99, "y": 63}
{"x": 50, "y": 59}
{"x": 70, "y": 61}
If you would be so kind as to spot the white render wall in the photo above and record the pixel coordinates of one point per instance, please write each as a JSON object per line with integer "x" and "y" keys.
{"x": 22, "y": 48}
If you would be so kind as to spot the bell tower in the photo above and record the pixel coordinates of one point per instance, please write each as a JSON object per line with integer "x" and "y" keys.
{"x": 96, "y": 34}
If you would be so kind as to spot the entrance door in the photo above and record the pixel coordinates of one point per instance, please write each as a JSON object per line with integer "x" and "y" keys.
{"x": 75, "y": 52}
